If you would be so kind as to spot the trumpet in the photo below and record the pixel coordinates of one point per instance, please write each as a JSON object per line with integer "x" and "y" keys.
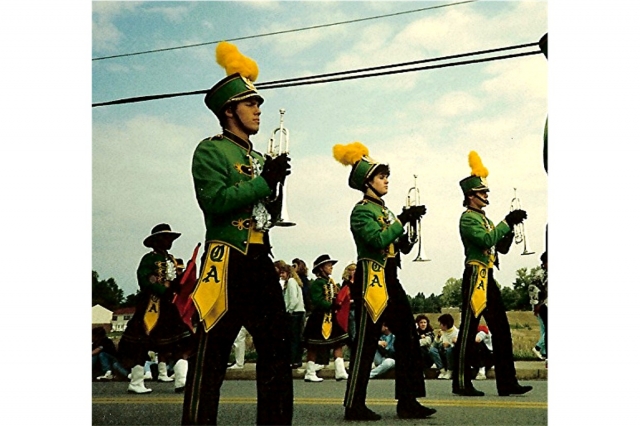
{"x": 519, "y": 233}
{"x": 275, "y": 148}
{"x": 415, "y": 228}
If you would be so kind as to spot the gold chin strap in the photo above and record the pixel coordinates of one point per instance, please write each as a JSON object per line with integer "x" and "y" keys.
{"x": 210, "y": 294}
{"x": 375, "y": 289}
{"x": 479, "y": 278}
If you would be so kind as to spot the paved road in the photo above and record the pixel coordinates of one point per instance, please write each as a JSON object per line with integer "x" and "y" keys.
{"x": 321, "y": 404}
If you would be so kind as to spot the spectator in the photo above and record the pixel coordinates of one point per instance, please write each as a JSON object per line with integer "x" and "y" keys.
{"x": 347, "y": 280}
{"x": 104, "y": 355}
{"x": 428, "y": 350}
{"x": 294, "y": 303}
{"x": 446, "y": 339}
{"x": 239, "y": 349}
{"x": 483, "y": 356}
{"x": 538, "y": 298}
{"x": 322, "y": 329}
{"x": 384, "y": 358}
{"x": 303, "y": 273}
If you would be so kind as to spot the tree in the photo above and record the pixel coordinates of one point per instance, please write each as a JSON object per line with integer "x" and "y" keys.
{"x": 105, "y": 292}
{"x": 131, "y": 300}
{"x": 517, "y": 298}
{"x": 418, "y": 303}
{"x": 452, "y": 293}
{"x": 433, "y": 304}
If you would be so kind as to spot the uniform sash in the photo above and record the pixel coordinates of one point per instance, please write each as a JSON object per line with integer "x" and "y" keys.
{"x": 375, "y": 289}
{"x": 210, "y": 294}
{"x": 479, "y": 279}
{"x": 327, "y": 321}
{"x": 152, "y": 313}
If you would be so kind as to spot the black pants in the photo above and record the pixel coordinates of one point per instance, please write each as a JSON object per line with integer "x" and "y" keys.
{"x": 397, "y": 316}
{"x": 496, "y": 318}
{"x": 255, "y": 301}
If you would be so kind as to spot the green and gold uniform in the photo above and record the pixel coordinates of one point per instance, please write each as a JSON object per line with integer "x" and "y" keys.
{"x": 231, "y": 194}
{"x": 379, "y": 238}
{"x": 482, "y": 242}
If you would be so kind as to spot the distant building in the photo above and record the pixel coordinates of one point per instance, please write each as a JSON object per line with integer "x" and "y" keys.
{"x": 101, "y": 317}
{"x": 120, "y": 318}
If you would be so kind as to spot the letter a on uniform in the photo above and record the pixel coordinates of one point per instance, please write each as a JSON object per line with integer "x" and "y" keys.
{"x": 375, "y": 292}
{"x": 210, "y": 294}
{"x": 479, "y": 294}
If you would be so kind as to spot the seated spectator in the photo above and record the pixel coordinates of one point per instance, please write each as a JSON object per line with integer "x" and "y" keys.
{"x": 445, "y": 341}
{"x": 384, "y": 359}
{"x": 104, "y": 355}
{"x": 482, "y": 358}
{"x": 428, "y": 350}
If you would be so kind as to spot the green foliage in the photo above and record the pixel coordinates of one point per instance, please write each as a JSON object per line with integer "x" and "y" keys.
{"x": 105, "y": 292}
{"x": 421, "y": 304}
{"x": 130, "y": 300}
{"x": 452, "y": 293}
{"x": 517, "y": 298}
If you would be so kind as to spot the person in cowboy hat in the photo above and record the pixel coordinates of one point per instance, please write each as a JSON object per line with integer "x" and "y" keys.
{"x": 156, "y": 324}
{"x": 238, "y": 285}
{"x": 480, "y": 294}
{"x": 376, "y": 291}
{"x": 322, "y": 329}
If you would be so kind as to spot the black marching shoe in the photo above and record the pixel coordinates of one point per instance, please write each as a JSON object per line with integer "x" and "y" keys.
{"x": 412, "y": 409}
{"x": 471, "y": 391}
{"x": 515, "y": 390}
{"x": 360, "y": 414}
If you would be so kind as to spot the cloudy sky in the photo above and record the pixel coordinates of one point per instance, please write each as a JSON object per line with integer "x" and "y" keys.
{"x": 423, "y": 123}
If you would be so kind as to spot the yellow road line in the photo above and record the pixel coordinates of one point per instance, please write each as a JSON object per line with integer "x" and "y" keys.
{"x": 480, "y": 403}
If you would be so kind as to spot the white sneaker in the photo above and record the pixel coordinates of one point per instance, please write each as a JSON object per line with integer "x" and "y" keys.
{"x": 106, "y": 376}
{"x": 236, "y": 367}
{"x": 441, "y": 375}
{"x": 538, "y": 353}
{"x": 447, "y": 375}
{"x": 481, "y": 376}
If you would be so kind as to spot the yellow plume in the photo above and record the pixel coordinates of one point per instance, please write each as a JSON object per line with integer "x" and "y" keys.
{"x": 230, "y": 58}
{"x": 350, "y": 154}
{"x": 477, "y": 168}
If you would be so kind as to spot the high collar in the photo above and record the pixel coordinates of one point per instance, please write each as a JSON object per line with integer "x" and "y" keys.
{"x": 246, "y": 144}
{"x": 374, "y": 200}
{"x": 476, "y": 210}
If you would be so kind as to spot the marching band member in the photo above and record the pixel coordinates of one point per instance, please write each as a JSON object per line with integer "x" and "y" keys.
{"x": 238, "y": 285}
{"x": 377, "y": 293}
{"x": 156, "y": 324}
{"x": 480, "y": 294}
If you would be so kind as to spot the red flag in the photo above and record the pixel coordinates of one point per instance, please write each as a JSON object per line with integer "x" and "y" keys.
{"x": 343, "y": 300}
{"x": 182, "y": 300}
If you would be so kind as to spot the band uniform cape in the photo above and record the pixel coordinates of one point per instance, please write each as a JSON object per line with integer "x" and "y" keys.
{"x": 156, "y": 324}
{"x": 322, "y": 328}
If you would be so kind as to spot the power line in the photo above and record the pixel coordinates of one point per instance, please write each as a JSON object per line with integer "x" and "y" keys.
{"x": 349, "y": 75}
{"x": 186, "y": 46}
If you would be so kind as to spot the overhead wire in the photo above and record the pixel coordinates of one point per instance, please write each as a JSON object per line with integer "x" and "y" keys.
{"x": 351, "y": 74}
{"x": 351, "y": 21}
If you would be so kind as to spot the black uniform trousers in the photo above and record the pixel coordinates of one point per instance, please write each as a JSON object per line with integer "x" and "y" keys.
{"x": 398, "y": 317}
{"x": 496, "y": 318}
{"x": 255, "y": 301}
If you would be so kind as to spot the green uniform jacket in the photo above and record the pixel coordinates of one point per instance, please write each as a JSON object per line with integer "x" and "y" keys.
{"x": 152, "y": 273}
{"x": 374, "y": 228}
{"x": 480, "y": 237}
{"x": 317, "y": 295}
{"x": 226, "y": 189}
